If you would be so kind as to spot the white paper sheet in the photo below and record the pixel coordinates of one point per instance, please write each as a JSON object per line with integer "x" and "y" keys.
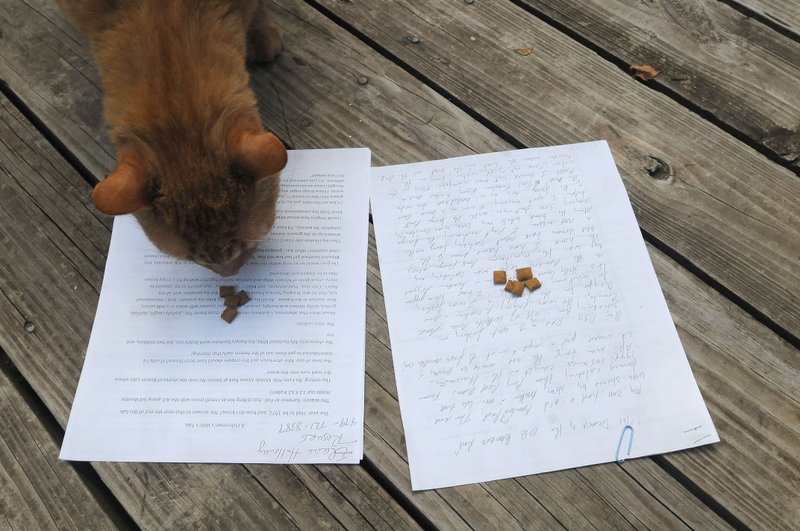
{"x": 494, "y": 386}
{"x": 165, "y": 379}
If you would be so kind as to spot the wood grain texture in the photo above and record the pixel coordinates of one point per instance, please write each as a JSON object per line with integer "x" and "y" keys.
{"x": 58, "y": 297}
{"x": 508, "y": 501}
{"x": 725, "y": 208}
{"x": 66, "y": 240}
{"x": 37, "y": 491}
{"x": 721, "y": 197}
{"x": 723, "y": 62}
{"x": 379, "y": 367}
{"x": 295, "y": 490}
{"x": 66, "y": 95}
{"x": 750, "y": 381}
{"x": 784, "y": 13}
{"x": 323, "y": 106}
{"x": 312, "y": 98}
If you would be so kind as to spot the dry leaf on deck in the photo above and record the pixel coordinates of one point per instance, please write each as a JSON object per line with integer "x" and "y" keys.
{"x": 524, "y": 51}
{"x": 645, "y": 72}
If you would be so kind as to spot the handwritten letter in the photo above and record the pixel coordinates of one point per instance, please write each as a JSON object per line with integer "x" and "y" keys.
{"x": 165, "y": 379}
{"x": 492, "y": 385}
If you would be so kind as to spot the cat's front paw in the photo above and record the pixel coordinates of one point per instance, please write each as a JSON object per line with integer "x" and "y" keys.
{"x": 264, "y": 43}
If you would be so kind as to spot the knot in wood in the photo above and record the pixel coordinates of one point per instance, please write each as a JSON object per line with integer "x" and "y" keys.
{"x": 658, "y": 168}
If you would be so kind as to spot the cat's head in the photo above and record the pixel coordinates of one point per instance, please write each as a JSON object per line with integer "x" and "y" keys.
{"x": 211, "y": 206}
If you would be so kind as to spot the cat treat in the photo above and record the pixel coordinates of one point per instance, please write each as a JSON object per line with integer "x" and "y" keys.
{"x": 533, "y": 284}
{"x": 229, "y": 314}
{"x": 232, "y": 301}
{"x": 525, "y": 273}
{"x": 244, "y": 298}
{"x": 525, "y": 279}
{"x": 515, "y": 287}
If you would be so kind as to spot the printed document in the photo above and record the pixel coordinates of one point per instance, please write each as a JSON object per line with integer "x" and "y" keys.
{"x": 166, "y": 379}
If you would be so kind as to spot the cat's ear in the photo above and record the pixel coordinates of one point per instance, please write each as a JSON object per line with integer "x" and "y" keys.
{"x": 124, "y": 191}
{"x": 260, "y": 154}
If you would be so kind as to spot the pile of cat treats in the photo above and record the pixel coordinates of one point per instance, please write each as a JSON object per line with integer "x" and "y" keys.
{"x": 525, "y": 279}
{"x": 232, "y": 302}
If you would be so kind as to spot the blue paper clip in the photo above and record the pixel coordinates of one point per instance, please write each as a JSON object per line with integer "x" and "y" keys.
{"x": 630, "y": 442}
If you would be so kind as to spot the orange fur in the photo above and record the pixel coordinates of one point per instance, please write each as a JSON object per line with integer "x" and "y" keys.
{"x": 184, "y": 121}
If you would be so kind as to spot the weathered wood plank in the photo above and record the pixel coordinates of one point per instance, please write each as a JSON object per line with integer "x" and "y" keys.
{"x": 394, "y": 103}
{"x": 751, "y": 383}
{"x": 471, "y": 506}
{"x": 37, "y": 491}
{"x": 317, "y": 499}
{"x": 399, "y": 119}
{"x": 63, "y": 237}
{"x": 58, "y": 296}
{"x": 337, "y": 88}
{"x": 59, "y": 84}
{"x": 716, "y": 202}
{"x": 380, "y": 367}
{"x": 737, "y": 69}
{"x": 784, "y": 13}
{"x": 64, "y": 95}
{"x": 332, "y": 92}
{"x": 360, "y": 497}
{"x": 778, "y": 368}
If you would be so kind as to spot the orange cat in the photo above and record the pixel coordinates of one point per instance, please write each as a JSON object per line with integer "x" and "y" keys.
{"x": 193, "y": 161}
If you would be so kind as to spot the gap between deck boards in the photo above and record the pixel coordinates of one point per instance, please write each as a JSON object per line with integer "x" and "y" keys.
{"x": 508, "y": 137}
{"x": 47, "y": 133}
{"x": 583, "y": 41}
{"x": 87, "y": 175}
{"x": 105, "y": 497}
{"x": 422, "y": 520}
{"x": 102, "y": 495}
{"x": 699, "y": 493}
{"x": 661, "y": 89}
{"x": 87, "y": 473}
{"x": 755, "y": 15}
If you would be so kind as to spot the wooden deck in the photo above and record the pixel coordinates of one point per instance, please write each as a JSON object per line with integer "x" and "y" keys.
{"x": 710, "y": 154}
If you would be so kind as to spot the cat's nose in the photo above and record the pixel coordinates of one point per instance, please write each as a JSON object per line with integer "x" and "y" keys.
{"x": 224, "y": 270}
{"x": 232, "y": 266}
{"x": 228, "y": 268}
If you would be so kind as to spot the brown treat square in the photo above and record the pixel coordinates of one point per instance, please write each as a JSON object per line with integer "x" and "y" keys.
{"x": 499, "y": 277}
{"x": 229, "y": 314}
{"x": 524, "y": 274}
{"x": 533, "y": 284}
{"x": 232, "y": 301}
{"x": 244, "y": 298}
{"x": 226, "y": 291}
{"x": 515, "y": 287}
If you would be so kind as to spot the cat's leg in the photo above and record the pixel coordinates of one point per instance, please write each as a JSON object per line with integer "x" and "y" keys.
{"x": 264, "y": 37}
